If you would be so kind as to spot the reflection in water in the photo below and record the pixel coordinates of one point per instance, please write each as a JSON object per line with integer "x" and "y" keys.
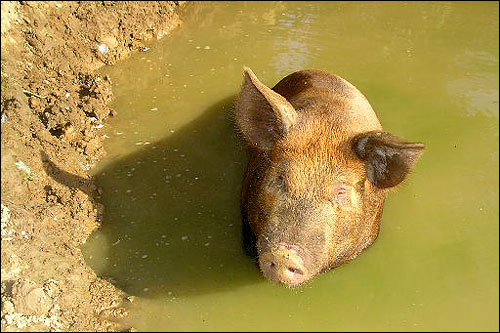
{"x": 296, "y": 43}
{"x": 171, "y": 180}
{"x": 477, "y": 91}
{"x": 475, "y": 95}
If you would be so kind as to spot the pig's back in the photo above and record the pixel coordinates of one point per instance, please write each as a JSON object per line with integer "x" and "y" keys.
{"x": 314, "y": 91}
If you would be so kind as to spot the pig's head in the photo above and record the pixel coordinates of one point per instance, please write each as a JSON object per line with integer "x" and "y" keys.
{"x": 318, "y": 184}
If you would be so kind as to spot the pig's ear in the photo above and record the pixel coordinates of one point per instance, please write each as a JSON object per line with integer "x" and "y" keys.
{"x": 388, "y": 158}
{"x": 262, "y": 115}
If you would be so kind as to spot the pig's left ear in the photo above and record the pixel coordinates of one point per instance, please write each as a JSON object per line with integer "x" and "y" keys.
{"x": 388, "y": 158}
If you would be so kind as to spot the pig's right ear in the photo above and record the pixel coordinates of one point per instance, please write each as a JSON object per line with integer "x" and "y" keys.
{"x": 388, "y": 158}
{"x": 262, "y": 115}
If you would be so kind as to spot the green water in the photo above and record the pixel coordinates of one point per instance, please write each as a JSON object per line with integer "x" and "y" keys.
{"x": 172, "y": 177}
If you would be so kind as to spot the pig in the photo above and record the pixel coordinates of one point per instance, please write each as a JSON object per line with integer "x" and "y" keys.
{"x": 318, "y": 175}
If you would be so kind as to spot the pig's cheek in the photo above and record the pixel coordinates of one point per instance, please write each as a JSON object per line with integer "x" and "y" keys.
{"x": 329, "y": 214}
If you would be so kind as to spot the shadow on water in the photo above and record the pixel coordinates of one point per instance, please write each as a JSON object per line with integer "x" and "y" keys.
{"x": 172, "y": 223}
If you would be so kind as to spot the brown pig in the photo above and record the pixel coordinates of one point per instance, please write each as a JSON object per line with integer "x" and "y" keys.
{"x": 320, "y": 170}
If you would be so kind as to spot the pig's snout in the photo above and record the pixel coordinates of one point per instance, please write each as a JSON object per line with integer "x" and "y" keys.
{"x": 284, "y": 265}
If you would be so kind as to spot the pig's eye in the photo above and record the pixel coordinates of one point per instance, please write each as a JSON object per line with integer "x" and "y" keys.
{"x": 341, "y": 195}
{"x": 279, "y": 183}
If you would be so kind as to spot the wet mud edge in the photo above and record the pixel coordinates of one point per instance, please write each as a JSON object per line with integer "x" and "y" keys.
{"x": 53, "y": 109}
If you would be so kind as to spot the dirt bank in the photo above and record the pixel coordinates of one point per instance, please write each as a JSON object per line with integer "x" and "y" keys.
{"x": 53, "y": 106}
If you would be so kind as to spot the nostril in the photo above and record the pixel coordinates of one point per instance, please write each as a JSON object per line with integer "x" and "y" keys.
{"x": 294, "y": 270}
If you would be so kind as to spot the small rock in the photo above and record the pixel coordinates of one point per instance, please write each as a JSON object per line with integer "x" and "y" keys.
{"x": 34, "y": 102}
{"x": 22, "y": 166}
{"x": 30, "y": 299}
{"x": 5, "y": 214}
{"x": 92, "y": 146}
{"x": 69, "y": 133}
{"x": 103, "y": 48}
{"x": 8, "y": 307}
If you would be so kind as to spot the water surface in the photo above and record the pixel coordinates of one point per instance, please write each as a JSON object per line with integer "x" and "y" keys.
{"x": 172, "y": 177}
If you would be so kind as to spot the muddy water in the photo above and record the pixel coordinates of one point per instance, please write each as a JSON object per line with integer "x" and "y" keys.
{"x": 171, "y": 181}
